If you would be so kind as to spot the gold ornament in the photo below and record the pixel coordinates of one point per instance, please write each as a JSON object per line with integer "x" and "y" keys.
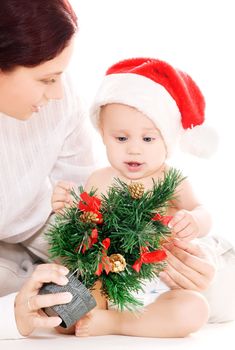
{"x": 136, "y": 190}
{"x": 118, "y": 263}
{"x": 89, "y": 216}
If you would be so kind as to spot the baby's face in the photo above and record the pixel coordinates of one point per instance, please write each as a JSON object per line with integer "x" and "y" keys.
{"x": 134, "y": 145}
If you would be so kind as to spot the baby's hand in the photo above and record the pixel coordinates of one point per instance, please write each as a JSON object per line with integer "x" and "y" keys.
{"x": 61, "y": 196}
{"x": 184, "y": 226}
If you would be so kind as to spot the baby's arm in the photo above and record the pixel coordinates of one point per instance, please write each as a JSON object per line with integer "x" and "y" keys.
{"x": 191, "y": 219}
{"x": 61, "y": 197}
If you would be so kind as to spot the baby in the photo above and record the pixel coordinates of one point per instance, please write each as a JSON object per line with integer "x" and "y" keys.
{"x": 142, "y": 109}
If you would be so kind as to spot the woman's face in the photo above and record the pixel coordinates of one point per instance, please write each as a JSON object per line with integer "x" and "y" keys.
{"x": 24, "y": 90}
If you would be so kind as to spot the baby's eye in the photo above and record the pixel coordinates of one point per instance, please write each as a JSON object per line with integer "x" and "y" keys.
{"x": 121, "y": 138}
{"x": 148, "y": 139}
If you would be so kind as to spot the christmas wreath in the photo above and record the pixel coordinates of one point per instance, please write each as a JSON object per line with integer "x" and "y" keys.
{"x": 116, "y": 239}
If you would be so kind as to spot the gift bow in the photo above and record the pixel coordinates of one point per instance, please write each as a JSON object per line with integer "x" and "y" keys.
{"x": 164, "y": 219}
{"x": 91, "y": 240}
{"x": 90, "y": 204}
{"x": 105, "y": 263}
{"x": 147, "y": 257}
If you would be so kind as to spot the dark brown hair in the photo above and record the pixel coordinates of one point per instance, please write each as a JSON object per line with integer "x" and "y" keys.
{"x": 34, "y": 31}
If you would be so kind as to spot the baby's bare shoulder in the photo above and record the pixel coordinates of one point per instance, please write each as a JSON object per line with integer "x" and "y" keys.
{"x": 99, "y": 179}
{"x": 102, "y": 172}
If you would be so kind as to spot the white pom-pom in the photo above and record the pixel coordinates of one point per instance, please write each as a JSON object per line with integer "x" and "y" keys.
{"x": 201, "y": 141}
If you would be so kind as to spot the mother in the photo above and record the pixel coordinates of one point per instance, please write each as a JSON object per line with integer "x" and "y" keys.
{"x": 44, "y": 138}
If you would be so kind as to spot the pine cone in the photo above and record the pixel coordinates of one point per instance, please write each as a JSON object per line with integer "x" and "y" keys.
{"x": 118, "y": 262}
{"x": 136, "y": 190}
{"x": 89, "y": 216}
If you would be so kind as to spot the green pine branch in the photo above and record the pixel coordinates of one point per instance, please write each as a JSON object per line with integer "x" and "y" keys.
{"x": 127, "y": 223}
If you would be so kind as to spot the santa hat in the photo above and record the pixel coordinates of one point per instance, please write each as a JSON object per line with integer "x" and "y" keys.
{"x": 168, "y": 96}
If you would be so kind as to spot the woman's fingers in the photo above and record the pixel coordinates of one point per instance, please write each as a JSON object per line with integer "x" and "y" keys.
{"x": 188, "y": 266}
{"x": 190, "y": 255}
{"x": 46, "y": 273}
{"x": 180, "y": 226}
{"x": 45, "y": 322}
{"x": 175, "y": 280}
{"x": 41, "y": 301}
{"x": 184, "y": 276}
{"x": 28, "y": 303}
{"x": 191, "y": 248}
{"x": 168, "y": 280}
{"x": 176, "y": 219}
{"x": 187, "y": 233}
{"x": 191, "y": 280}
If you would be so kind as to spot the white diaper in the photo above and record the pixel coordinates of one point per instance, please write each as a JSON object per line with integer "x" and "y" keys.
{"x": 221, "y": 293}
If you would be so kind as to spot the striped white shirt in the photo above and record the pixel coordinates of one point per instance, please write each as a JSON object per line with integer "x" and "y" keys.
{"x": 54, "y": 144}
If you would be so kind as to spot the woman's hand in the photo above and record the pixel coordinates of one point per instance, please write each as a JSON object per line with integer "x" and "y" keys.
{"x": 28, "y": 303}
{"x": 61, "y": 197}
{"x": 188, "y": 266}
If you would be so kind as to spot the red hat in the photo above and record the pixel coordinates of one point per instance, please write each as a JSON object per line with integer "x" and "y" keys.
{"x": 168, "y": 96}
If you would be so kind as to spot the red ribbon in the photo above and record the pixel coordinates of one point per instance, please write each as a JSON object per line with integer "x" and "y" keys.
{"x": 90, "y": 204}
{"x": 105, "y": 263}
{"x": 147, "y": 257}
{"x": 91, "y": 240}
{"x": 163, "y": 219}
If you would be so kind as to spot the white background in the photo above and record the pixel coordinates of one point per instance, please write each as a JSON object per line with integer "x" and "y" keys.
{"x": 195, "y": 36}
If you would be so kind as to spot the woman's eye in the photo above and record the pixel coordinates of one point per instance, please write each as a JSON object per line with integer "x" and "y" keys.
{"x": 121, "y": 138}
{"x": 148, "y": 139}
{"x": 49, "y": 81}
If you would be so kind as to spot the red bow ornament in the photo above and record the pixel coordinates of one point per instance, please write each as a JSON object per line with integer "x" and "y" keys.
{"x": 147, "y": 257}
{"x": 105, "y": 263}
{"x": 164, "y": 219}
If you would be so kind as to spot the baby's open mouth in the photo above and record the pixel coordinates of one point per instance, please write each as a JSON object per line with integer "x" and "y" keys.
{"x": 133, "y": 164}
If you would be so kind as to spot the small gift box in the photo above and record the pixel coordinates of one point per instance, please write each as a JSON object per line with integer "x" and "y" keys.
{"x": 81, "y": 303}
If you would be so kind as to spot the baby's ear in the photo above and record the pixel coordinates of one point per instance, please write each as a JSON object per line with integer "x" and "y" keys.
{"x": 101, "y": 131}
